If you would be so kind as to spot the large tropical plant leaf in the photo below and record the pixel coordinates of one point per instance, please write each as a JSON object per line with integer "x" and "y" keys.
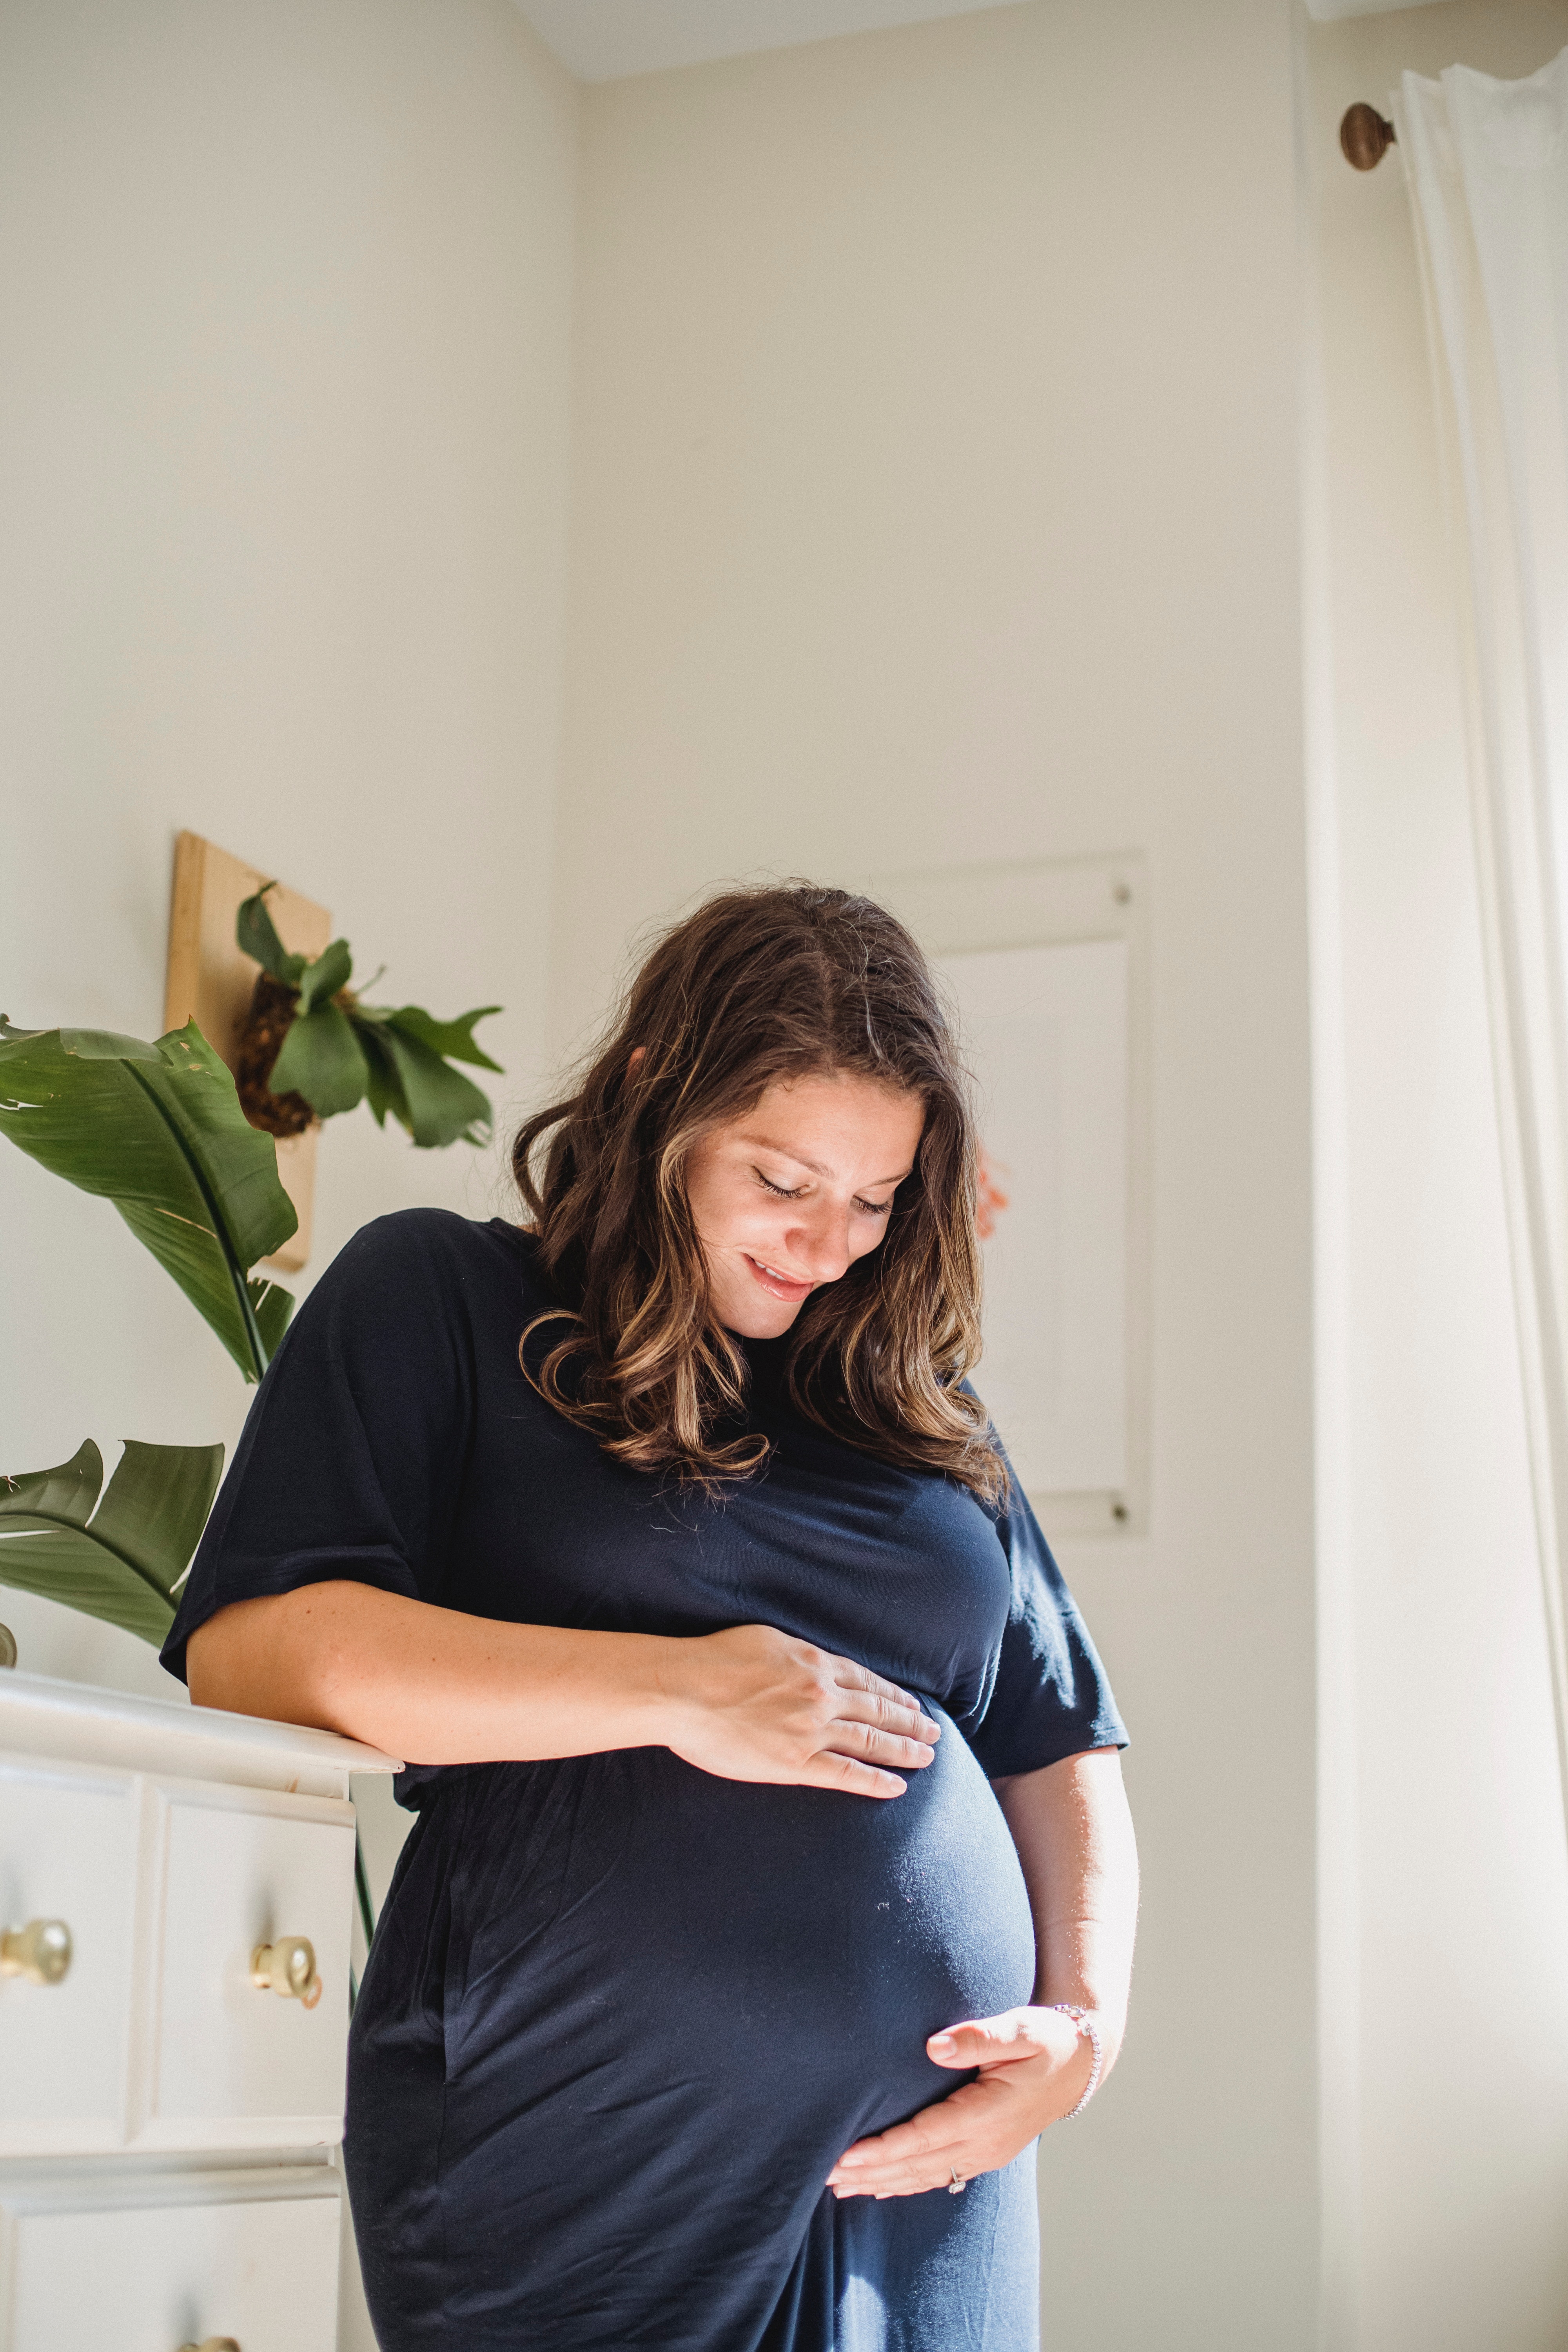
{"x": 272, "y": 1305}
{"x": 67, "y": 1492}
{"x": 122, "y": 1561}
{"x": 158, "y": 1130}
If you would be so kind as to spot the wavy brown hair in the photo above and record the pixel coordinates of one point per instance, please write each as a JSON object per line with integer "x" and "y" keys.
{"x": 759, "y": 985}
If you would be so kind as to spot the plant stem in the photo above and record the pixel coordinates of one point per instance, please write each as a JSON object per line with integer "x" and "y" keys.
{"x": 362, "y": 1888}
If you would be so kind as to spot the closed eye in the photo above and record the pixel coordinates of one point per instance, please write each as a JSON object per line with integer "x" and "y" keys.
{"x": 783, "y": 1193}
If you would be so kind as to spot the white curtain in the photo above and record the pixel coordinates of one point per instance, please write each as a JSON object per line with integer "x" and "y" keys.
{"x": 1487, "y": 164}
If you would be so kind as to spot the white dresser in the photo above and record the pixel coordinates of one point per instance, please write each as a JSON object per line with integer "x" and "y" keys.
{"x": 176, "y": 1892}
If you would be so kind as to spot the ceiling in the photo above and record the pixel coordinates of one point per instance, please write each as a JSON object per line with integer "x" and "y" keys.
{"x": 600, "y": 40}
{"x": 1328, "y": 12}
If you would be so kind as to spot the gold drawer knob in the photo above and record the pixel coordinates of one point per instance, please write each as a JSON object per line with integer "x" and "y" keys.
{"x": 41, "y": 1951}
{"x": 286, "y": 1967}
{"x": 212, "y": 2344}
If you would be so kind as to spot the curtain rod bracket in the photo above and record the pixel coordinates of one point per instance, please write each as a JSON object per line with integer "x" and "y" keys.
{"x": 1365, "y": 136}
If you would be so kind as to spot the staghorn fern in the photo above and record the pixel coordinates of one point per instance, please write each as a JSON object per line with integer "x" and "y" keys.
{"x": 311, "y": 1047}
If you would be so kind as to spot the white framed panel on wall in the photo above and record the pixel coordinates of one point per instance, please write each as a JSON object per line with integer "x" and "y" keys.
{"x": 1047, "y": 966}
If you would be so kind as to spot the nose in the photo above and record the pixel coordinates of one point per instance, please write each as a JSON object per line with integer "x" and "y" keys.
{"x": 819, "y": 1245}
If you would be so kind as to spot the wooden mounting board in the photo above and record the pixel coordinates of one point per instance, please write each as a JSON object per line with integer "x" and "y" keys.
{"x": 210, "y": 978}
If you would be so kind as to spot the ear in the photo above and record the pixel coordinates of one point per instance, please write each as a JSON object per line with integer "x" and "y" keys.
{"x": 634, "y": 1058}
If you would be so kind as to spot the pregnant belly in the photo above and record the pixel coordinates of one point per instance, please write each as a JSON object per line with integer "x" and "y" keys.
{"x": 620, "y": 2020}
{"x": 646, "y": 1926}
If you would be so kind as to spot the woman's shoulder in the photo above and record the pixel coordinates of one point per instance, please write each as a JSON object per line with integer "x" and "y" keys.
{"x": 438, "y": 1252}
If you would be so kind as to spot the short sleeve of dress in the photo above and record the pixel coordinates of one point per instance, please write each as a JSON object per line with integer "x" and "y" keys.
{"x": 1050, "y": 1699}
{"x": 352, "y": 1459}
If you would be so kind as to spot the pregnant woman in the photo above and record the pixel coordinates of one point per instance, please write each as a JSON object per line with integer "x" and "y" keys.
{"x": 771, "y": 1887}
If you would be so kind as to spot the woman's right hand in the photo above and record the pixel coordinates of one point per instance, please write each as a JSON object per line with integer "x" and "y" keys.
{"x": 754, "y": 1703}
{"x": 437, "y": 1686}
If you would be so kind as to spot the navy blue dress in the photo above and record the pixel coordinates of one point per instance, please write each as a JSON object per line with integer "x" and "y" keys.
{"x": 621, "y": 2017}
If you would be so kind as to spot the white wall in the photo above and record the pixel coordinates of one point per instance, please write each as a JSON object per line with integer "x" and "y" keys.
{"x": 936, "y": 503}
{"x": 283, "y": 442}
{"x": 1445, "y": 1886}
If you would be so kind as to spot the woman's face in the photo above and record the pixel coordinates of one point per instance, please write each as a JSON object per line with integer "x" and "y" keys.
{"x": 789, "y": 1196}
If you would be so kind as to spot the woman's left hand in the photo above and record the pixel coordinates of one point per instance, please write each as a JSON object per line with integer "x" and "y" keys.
{"x": 1034, "y": 2068}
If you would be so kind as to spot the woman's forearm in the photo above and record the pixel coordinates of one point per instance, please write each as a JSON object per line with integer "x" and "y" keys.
{"x": 1074, "y": 1834}
{"x": 431, "y": 1685}
{"x": 435, "y": 1686}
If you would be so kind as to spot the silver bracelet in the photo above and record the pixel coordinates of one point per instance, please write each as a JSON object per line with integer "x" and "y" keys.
{"x": 1089, "y": 2031}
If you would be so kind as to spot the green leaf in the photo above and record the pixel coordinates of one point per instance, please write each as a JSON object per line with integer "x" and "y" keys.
{"x": 272, "y": 1305}
{"x": 440, "y": 1106}
{"x": 321, "y": 980}
{"x": 384, "y": 1088}
{"x": 254, "y": 933}
{"x": 322, "y": 1060}
{"x": 157, "y": 1506}
{"x": 68, "y": 1492}
{"x": 103, "y": 1045}
{"x": 158, "y": 1130}
{"x": 453, "y": 1039}
{"x": 124, "y": 1563}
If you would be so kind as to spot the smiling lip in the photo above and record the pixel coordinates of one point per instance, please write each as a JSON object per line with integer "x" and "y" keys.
{"x": 778, "y": 1284}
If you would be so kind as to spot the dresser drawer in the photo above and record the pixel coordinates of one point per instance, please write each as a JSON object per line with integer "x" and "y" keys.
{"x": 174, "y": 2264}
{"x": 68, "y": 1852}
{"x": 230, "y": 2064}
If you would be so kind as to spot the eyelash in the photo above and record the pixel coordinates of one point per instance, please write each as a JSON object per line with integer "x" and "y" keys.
{"x": 779, "y": 1191}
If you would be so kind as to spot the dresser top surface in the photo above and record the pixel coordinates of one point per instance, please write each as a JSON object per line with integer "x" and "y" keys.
{"x": 42, "y": 1717}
